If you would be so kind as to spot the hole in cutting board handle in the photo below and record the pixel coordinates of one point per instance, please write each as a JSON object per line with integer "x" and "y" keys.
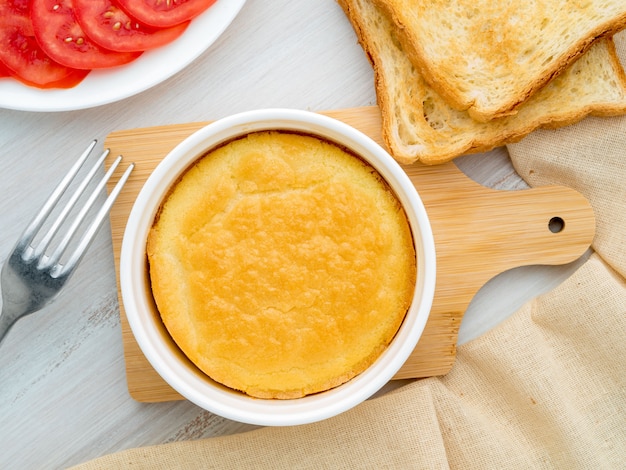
{"x": 556, "y": 224}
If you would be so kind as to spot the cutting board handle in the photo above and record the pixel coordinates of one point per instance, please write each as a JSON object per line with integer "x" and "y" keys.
{"x": 480, "y": 233}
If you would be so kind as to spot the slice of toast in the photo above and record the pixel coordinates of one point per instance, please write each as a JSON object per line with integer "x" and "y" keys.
{"x": 419, "y": 125}
{"x": 489, "y": 56}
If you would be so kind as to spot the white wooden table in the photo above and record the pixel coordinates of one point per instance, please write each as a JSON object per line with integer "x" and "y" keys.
{"x": 63, "y": 395}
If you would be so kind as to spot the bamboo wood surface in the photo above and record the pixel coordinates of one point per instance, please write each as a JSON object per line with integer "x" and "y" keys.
{"x": 479, "y": 233}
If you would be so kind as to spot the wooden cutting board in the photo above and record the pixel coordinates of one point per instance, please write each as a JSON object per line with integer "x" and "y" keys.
{"x": 479, "y": 233}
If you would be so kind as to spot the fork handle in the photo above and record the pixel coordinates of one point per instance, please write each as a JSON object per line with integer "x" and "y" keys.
{"x": 18, "y": 299}
{"x": 9, "y": 313}
{"x": 6, "y": 322}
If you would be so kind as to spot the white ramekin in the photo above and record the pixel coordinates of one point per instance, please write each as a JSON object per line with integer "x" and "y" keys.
{"x": 170, "y": 362}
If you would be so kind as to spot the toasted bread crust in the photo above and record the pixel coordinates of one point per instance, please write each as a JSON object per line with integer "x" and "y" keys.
{"x": 484, "y": 63}
{"x": 418, "y": 123}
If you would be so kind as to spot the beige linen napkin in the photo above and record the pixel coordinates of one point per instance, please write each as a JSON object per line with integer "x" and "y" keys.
{"x": 545, "y": 389}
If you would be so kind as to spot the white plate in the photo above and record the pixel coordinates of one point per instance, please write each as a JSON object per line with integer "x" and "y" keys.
{"x": 151, "y": 68}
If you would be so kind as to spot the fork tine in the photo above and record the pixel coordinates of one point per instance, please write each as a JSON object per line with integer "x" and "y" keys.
{"x": 38, "y": 220}
{"x": 89, "y": 235}
{"x": 43, "y": 244}
{"x": 47, "y": 262}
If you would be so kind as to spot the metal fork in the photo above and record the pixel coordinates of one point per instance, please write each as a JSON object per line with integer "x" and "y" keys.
{"x": 30, "y": 278}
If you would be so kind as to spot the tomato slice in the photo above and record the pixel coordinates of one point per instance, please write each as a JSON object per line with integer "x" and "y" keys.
{"x": 22, "y": 56}
{"x": 69, "y": 81}
{"x": 164, "y": 13}
{"x": 62, "y": 38}
{"x": 110, "y": 27}
{"x": 4, "y": 71}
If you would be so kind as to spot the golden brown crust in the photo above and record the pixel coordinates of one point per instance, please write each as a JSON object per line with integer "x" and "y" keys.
{"x": 419, "y": 125}
{"x": 281, "y": 265}
{"x": 490, "y": 36}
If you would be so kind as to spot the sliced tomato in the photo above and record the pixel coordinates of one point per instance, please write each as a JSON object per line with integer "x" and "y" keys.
{"x": 69, "y": 81}
{"x": 4, "y": 71}
{"x": 164, "y": 13}
{"x": 62, "y": 38}
{"x": 22, "y": 56}
{"x": 110, "y": 27}
{"x": 10, "y": 9}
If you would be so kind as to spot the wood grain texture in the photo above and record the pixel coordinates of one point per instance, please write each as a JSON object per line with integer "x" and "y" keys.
{"x": 479, "y": 233}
